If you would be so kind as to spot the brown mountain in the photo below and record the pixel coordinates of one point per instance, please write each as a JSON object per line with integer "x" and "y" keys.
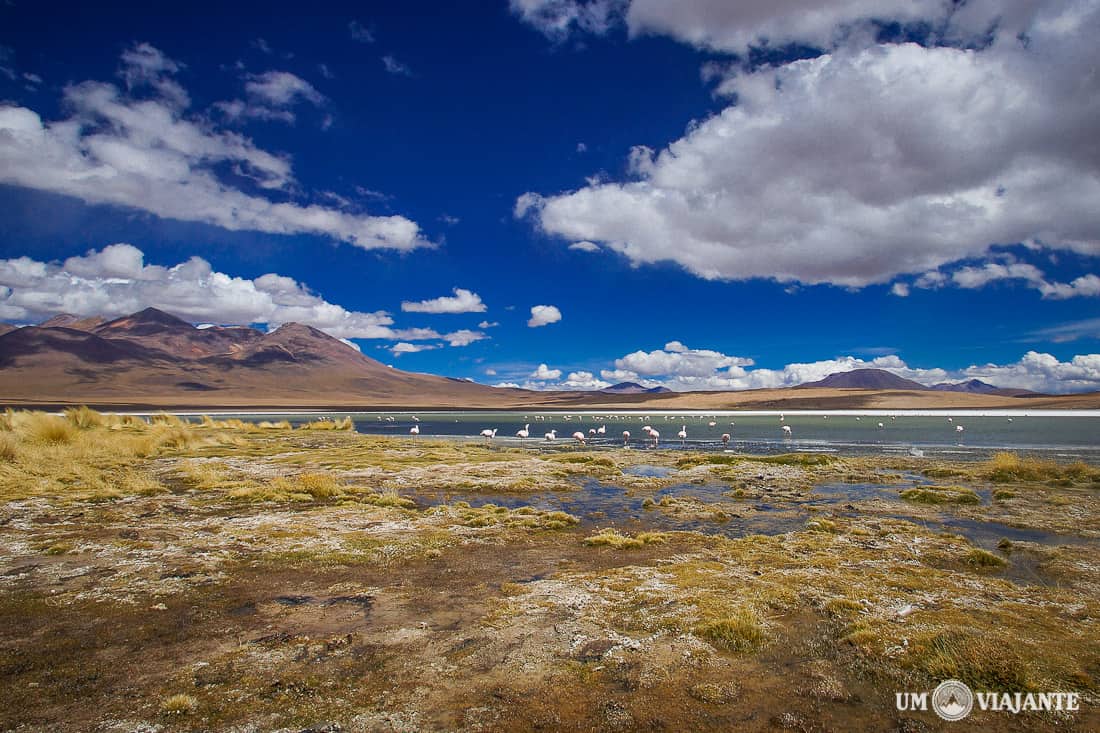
{"x": 68, "y": 320}
{"x": 977, "y": 386}
{"x": 152, "y": 357}
{"x": 865, "y": 379}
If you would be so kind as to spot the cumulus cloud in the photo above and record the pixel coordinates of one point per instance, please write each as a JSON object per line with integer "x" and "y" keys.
{"x": 116, "y": 281}
{"x": 463, "y": 301}
{"x": 978, "y": 276}
{"x": 683, "y": 369}
{"x": 866, "y": 162}
{"x": 544, "y": 373}
{"x": 543, "y": 315}
{"x": 143, "y": 151}
{"x": 584, "y": 381}
{"x": 464, "y": 337}
{"x": 488, "y": 324}
{"x": 404, "y": 347}
{"x": 900, "y": 289}
{"x": 679, "y": 360}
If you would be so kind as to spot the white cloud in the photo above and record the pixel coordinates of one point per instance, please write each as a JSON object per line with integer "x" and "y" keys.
{"x": 867, "y": 162}
{"x": 712, "y": 370}
{"x": 488, "y": 324}
{"x": 145, "y": 153}
{"x": 490, "y": 371}
{"x": 464, "y": 337}
{"x": 978, "y": 276}
{"x": 677, "y": 359}
{"x": 404, "y": 347}
{"x": 583, "y": 381}
{"x": 544, "y": 373}
{"x": 115, "y": 281}
{"x": 463, "y": 301}
{"x": 555, "y": 19}
{"x": 543, "y": 315}
{"x": 393, "y": 66}
{"x": 900, "y": 289}
{"x": 582, "y": 148}
{"x": 735, "y": 26}
{"x": 282, "y": 89}
{"x": 585, "y": 246}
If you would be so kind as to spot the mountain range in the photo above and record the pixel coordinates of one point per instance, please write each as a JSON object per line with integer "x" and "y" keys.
{"x": 151, "y": 356}
{"x": 882, "y": 379}
{"x": 151, "y": 359}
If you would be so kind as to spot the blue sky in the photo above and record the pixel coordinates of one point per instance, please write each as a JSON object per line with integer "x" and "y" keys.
{"x": 761, "y": 195}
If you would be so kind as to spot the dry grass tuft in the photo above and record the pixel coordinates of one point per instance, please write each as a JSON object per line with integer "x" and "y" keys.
{"x": 179, "y": 705}
{"x": 1006, "y": 467}
{"x": 614, "y": 539}
{"x": 741, "y": 631}
{"x": 941, "y": 495}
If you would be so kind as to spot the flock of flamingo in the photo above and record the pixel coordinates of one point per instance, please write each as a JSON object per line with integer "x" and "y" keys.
{"x": 651, "y": 433}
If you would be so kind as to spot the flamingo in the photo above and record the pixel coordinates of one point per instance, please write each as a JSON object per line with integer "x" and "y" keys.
{"x": 626, "y": 437}
{"x": 786, "y": 431}
{"x": 711, "y": 424}
{"x": 415, "y": 418}
{"x": 602, "y": 430}
{"x": 959, "y": 428}
{"x": 683, "y": 434}
{"x": 881, "y": 426}
{"x": 414, "y": 430}
{"x": 592, "y": 432}
{"x": 489, "y": 434}
{"x": 655, "y": 435}
{"x": 725, "y": 440}
{"x": 579, "y": 437}
{"x": 525, "y": 433}
{"x": 552, "y": 435}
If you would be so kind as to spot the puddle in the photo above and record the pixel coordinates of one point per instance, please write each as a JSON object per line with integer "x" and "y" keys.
{"x": 649, "y": 471}
{"x": 598, "y": 504}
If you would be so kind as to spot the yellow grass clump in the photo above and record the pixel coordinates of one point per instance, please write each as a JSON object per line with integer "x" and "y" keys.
{"x": 345, "y": 423}
{"x": 1007, "y": 467}
{"x": 84, "y": 454}
{"x": 614, "y": 539}
{"x": 741, "y": 631}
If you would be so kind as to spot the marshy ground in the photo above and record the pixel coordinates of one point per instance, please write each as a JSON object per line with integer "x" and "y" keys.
{"x": 238, "y": 577}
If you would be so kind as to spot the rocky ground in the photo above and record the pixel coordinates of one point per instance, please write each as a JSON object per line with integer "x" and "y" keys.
{"x": 242, "y": 579}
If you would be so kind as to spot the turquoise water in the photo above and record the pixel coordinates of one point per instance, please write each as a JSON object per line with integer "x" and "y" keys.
{"x": 1064, "y": 435}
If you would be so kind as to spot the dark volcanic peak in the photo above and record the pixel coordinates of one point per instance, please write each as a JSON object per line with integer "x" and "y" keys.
{"x": 297, "y": 342}
{"x": 144, "y": 322}
{"x": 633, "y": 388}
{"x": 971, "y": 385}
{"x": 866, "y": 379}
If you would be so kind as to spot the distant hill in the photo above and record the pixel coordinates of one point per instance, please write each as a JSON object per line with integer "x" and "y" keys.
{"x": 977, "y": 386}
{"x": 866, "y": 379}
{"x": 633, "y": 388}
